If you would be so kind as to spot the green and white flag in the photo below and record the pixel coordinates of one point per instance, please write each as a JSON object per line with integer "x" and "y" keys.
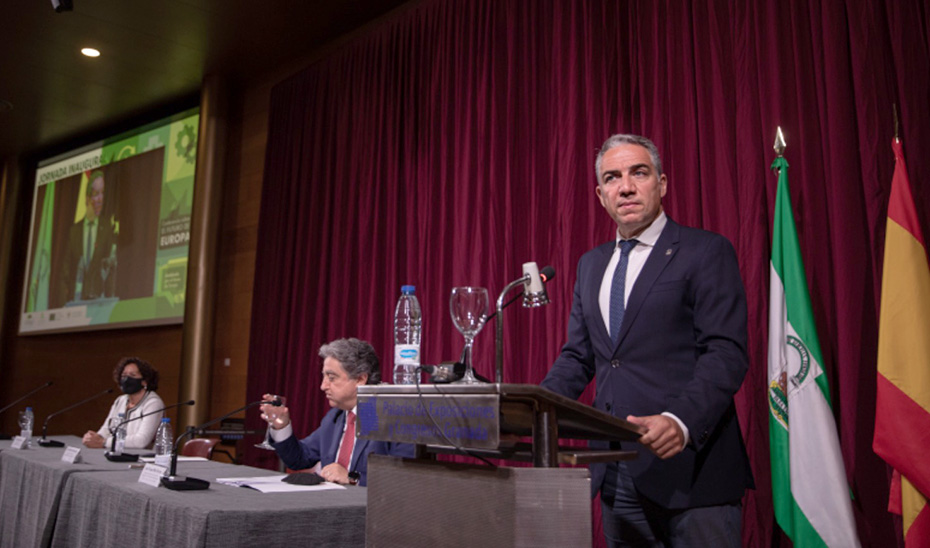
{"x": 37, "y": 296}
{"x": 812, "y": 501}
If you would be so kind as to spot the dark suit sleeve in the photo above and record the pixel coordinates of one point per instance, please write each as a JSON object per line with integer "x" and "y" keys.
{"x": 401, "y": 449}
{"x": 719, "y": 303}
{"x": 302, "y": 454}
{"x": 574, "y": 368}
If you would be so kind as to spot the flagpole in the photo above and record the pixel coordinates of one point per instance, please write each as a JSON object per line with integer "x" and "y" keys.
{"x": 894, "y": 113}
{"x": 810, "y": 491}
{"x": 780, "y": 145}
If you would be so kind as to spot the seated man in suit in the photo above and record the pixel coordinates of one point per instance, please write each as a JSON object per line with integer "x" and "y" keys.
{"x": 347, "y": 363}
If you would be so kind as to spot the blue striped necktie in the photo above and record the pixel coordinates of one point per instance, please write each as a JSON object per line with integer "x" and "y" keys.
{"x": 618, "y": 289}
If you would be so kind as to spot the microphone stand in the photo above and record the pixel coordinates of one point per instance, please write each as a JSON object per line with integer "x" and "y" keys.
{"x": 530, "y": 300}
{"x": 177, "y": 483}
{"x": 53, "y": 443}
{"x": 112, "y": 456}
{"x": 499, "y": 327}
{"x": 46, "y": 385}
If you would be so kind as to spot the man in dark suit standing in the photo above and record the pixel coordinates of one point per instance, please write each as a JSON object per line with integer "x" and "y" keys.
{"x": 347, "y": 363}
{"x": 658, "y": 320}
{"x": 90, "y": 263}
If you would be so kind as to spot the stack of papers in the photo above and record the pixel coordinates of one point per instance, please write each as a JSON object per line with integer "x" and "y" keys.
{"x": 274, "y": 484}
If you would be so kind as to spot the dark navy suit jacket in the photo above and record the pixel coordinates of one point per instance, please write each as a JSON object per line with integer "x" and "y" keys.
{"x": 321, "y": 446}
{"x": 681, "y": 349}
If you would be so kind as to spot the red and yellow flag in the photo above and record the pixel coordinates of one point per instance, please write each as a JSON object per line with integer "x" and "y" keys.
{"x": 902, "y": 415}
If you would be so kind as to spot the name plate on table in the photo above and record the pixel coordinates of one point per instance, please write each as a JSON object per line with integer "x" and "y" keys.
{"x": 72, "y": 455}
{"x": 19, "y": 442}
{"x": 471, "y": 421}
{"x": 152, "y": 474}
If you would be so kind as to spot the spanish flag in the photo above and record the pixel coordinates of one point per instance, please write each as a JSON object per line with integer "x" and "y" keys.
{"x": 902, "y": 415}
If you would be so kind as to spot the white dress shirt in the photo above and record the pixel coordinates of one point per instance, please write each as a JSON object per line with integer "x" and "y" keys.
{"x": 647, "y": 241}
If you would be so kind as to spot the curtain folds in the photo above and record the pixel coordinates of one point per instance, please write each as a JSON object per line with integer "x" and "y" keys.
{"x": 456, "y": 141}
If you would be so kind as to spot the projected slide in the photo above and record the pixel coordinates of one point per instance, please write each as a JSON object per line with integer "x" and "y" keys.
{"x": 110, "y": 232}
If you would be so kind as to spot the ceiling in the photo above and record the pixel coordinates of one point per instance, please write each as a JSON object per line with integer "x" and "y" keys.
{"x": 154, "y": 52}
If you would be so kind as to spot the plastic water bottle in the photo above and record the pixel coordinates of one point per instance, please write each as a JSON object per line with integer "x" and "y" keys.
{"x": 407, "y": 325}
{"x": 28, "y": 421}
{"x": 120, "y": 435}
{"x": 164, "y": 443}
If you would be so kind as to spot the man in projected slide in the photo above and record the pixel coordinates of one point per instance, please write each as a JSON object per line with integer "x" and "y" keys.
{"x": 90, "y": 265}
{"x": 658, "y": 321}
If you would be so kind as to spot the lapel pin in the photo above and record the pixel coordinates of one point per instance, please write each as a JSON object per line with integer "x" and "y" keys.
{"x": 668, "y": 252}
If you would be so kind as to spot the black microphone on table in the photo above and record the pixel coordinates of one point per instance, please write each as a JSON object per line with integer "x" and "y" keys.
{"x": 176, "y": 483}
{"x": 112, "y": 456}
{"x": 447, "y": 372}
{"x": 21, "y": 398}
{"x": 545, "y": 275}
{"x": 52, "y": 443}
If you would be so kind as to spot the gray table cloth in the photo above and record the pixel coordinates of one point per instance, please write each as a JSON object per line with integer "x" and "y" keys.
{"x": 46, "y": 502}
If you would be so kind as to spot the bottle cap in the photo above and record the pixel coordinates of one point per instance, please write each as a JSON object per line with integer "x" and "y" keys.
{"x": 408, "y": 289}
{"x": 165, "y": 419}
{"x": 28, "y": 409}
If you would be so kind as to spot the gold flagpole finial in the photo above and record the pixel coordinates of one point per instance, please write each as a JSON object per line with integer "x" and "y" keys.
{"x": 780, "y": 143}
{"x": 894, "y": 112}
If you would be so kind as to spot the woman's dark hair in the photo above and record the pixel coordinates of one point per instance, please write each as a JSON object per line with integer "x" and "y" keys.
{"x": 149, "y": 373}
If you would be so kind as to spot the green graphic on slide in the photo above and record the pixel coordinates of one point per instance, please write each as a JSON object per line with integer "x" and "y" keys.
{"x": 171, "y": 281}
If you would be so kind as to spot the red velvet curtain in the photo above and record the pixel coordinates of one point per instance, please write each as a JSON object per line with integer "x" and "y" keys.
{"x": 456, "y": 141}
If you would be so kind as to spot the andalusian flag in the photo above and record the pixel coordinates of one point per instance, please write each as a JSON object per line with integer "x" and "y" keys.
{"x": 808, "y": 479}
{"x": 902, "y": 416}
{"x": 37, "y": 292}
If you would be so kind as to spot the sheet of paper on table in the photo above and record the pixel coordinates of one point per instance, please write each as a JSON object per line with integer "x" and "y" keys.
{"x": 273, "y": 484}
{"x": 181, "y": 458}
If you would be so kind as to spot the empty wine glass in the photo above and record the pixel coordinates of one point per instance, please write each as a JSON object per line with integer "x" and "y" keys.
{"x": 469, "y": 308}
{"x": 277, "y": 401}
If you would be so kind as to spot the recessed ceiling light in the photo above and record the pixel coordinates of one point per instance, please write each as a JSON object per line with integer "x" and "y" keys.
{"x": 91, "y": 52}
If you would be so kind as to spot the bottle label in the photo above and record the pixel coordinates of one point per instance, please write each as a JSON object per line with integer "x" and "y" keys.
{"x": 406, "y": 354}
{"x": 163, "y": 460}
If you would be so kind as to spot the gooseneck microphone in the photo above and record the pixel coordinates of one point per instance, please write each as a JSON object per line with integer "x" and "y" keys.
{"x": 52, "y": 443}
{"x": 534, "y": 295}
{"x": 46, "y": 385}
{"x": 21, "y": 398}
{"x": 176, "y": 483}
{"x": 546, "y": 274}
{"x": 129, "y": 457}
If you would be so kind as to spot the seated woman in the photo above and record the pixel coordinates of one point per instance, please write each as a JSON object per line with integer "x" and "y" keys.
{"x": 138, "y": 380}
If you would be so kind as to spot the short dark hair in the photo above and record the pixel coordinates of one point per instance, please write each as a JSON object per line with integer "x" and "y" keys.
{"x": 356, "y": 356}
{"x": 628, "y": 139}
{"x": 149, "y": 373}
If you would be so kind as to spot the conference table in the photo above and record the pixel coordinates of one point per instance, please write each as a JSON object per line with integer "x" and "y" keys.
{"x": 45, "y": 501}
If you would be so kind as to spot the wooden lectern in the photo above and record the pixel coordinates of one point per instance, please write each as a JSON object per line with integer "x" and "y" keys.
{"x": 425, "y": 502}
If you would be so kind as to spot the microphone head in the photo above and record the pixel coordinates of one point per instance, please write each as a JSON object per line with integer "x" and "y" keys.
{"x": 547, "y": 273}
{"x": 534, "y": 294}
{"x": 190, "y": 402}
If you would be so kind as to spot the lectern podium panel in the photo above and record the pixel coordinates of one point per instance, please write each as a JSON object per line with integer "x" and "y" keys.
{"x": 424, "y": 502}
{"x": 413, "y": 503}
{"x": 491, "y": 420}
